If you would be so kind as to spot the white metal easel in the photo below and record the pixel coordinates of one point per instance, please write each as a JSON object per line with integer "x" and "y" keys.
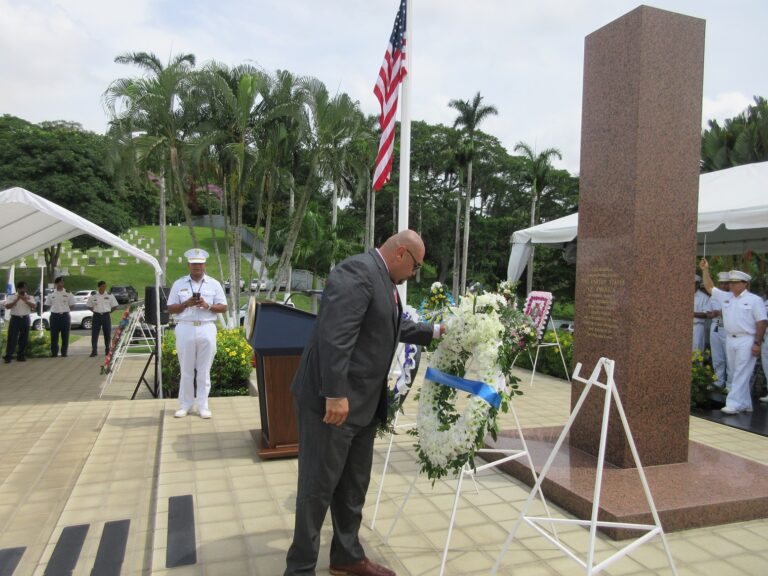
{"x": 651, "y": 530}
{"x": 541, "y": 344}
{"x": 471, "y": 471}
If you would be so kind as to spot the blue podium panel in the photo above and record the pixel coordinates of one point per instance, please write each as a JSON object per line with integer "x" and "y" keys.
{"x": 280, "y": 330}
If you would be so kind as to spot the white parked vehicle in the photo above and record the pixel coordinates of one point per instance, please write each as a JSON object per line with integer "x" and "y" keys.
{"x": 81, "y": 296}
{"x": 80, "y": 317}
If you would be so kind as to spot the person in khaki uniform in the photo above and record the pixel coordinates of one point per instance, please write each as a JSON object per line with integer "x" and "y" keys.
{"x": 61, "y": 302}
{"x": 103, "y": 304}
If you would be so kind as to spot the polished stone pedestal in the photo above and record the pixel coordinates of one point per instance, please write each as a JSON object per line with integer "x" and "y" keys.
{"x": 713, "y": 487}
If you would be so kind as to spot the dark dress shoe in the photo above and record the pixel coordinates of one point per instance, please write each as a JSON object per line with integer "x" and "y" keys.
{"x": 363, "y": 568}
{"x": 21, "y": 359}
{"x": 93, "y": 353}
{"x": 7, "y": 360}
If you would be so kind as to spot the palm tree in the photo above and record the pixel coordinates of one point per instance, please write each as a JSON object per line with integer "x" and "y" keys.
{"x": 234, "y": 98}
{"x": 537, "y": 171}
{"x": 338, "y": 125}
{"x": 155, "y": 106}
{"x": 471, "y": 114}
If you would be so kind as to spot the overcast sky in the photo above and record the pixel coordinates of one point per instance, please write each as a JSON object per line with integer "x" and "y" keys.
{"x": 524, "y": 56}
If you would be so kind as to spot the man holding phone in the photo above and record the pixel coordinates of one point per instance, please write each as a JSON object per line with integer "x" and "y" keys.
{"x": 18, "y": 329}
{"x": 195, "y": 299}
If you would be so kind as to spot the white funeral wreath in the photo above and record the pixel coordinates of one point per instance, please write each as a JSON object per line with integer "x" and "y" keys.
{"x": 473, "y": 343}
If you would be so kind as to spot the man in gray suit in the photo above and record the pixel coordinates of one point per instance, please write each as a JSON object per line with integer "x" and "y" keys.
{"x": 340, "y": 391}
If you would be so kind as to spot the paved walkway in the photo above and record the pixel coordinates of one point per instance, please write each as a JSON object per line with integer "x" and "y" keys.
{"x": 82, "y": 479}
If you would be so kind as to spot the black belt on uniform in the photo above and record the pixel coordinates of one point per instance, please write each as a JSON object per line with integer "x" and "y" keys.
{"x": 101, "y": 313}
{"x": 60, "y": 313}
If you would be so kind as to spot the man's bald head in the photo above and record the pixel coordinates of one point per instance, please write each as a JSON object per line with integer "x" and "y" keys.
{"x": 404, "y": 254}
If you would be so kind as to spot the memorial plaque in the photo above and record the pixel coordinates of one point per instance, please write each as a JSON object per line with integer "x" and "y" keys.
{"x": 640, "y": 149}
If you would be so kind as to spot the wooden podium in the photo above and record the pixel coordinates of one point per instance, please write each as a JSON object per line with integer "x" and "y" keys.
{"x": 278, "y": 335}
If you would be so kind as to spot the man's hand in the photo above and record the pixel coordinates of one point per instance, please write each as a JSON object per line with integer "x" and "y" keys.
{"x": 703, "y": 264}
{"x": 336, "y": 411}
{"x": 201, "y": 303}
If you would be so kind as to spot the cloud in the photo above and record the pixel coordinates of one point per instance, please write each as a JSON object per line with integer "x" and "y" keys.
{"x": 722, "y": 106}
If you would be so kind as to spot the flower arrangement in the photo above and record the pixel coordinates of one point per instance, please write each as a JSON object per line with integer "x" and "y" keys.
{"x": 507, "y": 290}
{"x": 231, "y": 364}
{"x": 479, "y": 339}
{"x": 106, "y": 368}
{"x": 434, "y": 308}
{"x": 702, "y": 378}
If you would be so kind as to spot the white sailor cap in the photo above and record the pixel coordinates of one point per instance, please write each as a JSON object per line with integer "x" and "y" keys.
{"x": 196, "y": 256}
{"x": 723, "y": 277}
{"x": 739, "y": 276}
{"x": 697, "y": 277}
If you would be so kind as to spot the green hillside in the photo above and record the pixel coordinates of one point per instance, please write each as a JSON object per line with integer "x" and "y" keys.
{"x": 123, "y": 269}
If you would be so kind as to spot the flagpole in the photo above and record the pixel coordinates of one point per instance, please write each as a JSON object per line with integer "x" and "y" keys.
{"x": 405, "y": 136}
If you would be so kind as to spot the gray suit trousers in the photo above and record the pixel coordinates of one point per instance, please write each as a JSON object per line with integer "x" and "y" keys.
{"x": 334, "y": 471}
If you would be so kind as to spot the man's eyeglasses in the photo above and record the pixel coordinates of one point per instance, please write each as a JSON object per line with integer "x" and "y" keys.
{"x": 416, "y": 263}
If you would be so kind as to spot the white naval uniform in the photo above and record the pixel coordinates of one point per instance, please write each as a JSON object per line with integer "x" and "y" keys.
{"x": 764, "y": 348}
{"x": 196, "y": 338}
{"x": 717, "y": 344}
{"x": 700, "y": 304}
{"x": 740, "y": 316}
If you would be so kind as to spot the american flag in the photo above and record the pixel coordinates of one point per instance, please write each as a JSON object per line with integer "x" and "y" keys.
{"x": 387, "y": 91}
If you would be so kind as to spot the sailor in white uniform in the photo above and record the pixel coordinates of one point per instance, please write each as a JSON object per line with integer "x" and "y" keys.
{"x": 195, "y": 299}
{"x": 700, "y": 315}
{"x": 717, "y": 334}
{"x": 745, "y": 321}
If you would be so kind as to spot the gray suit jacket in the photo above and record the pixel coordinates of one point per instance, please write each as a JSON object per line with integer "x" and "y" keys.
{"x": 354, "y": 340}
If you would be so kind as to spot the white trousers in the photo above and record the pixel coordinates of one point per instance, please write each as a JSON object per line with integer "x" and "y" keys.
{"x": 699, "y": 336}
{"x": 741, "y": 363}
{"x": 196, "y": 347}
{"x": 717, "y": 347}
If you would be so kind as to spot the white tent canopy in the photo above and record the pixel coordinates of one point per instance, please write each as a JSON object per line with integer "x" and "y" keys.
{"x": 733, "y": 218}
{"x": 29, "y": 223}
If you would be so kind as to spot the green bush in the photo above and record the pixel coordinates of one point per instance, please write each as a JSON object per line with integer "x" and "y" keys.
{"x": 231, "y": 365}
{"x": 39, "y": 345}
{"x": 549, "y": 358}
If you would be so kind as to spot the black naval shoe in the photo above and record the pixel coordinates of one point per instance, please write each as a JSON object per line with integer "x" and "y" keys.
{"x": 93, "y": 353}
{"x": 21, "y": 359}
{"x": 7, "y": 360}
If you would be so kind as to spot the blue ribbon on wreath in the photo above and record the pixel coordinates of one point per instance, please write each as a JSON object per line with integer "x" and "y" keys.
{"x": 480, "y": 389}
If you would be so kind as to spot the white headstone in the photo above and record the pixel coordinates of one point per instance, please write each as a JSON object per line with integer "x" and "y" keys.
{"x": 40, "y": 262}
{"x": 170, "y": 251}
{"x": 179, "y": 259}
{"x": 151, "y": 240}
{"x": 74, "y": 261}
{"x": 157, "y": 252}
{"x": 106, "y": 260}
{"x": 65, "y": 271}
{"x": 82, "y": 270}
{"x": 115, "y": 254}
{"x": 99, "y": 253}
{"x": 137, "y": 260}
